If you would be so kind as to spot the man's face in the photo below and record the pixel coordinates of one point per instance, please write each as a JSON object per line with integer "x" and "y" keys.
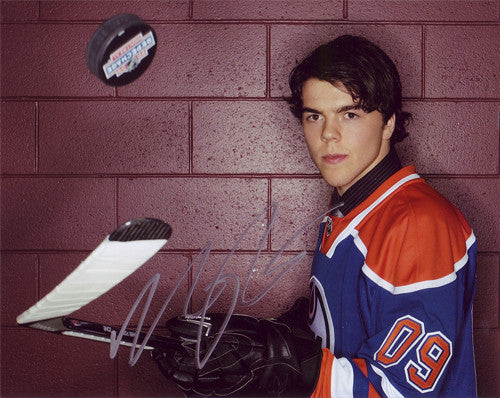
{"x": 345, "y": 142}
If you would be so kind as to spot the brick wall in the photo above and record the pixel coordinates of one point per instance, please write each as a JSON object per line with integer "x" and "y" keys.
{"x": 204, "y": 141}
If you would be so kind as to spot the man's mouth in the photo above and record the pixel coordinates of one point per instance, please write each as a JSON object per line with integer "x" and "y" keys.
{"x": 334, "y": 158}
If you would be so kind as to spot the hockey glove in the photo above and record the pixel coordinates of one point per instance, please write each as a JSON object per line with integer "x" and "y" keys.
{"x": 254, "y": 357}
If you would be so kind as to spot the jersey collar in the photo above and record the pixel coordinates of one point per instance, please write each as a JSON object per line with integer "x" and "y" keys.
{"x": 363, "y": 188}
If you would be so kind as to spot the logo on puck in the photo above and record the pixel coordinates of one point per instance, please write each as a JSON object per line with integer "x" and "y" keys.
{"x": 128, "y": 56}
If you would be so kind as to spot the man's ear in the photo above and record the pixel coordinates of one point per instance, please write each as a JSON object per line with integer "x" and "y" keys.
{"x": 389, "y": 127}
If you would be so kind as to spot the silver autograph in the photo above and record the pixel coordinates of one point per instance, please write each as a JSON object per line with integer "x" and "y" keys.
{"x": 214, "y": 289}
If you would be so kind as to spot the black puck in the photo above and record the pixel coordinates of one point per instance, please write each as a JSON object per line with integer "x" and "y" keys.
{"x": 121, "y": 49}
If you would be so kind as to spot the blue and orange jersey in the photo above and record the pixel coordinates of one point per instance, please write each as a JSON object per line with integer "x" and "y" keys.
{"x": 392, "y": 286}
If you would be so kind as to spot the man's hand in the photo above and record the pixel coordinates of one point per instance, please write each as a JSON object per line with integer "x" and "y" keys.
{"x": 254, "y": 357}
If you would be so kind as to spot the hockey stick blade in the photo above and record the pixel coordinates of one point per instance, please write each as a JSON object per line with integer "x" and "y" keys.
{"x": 118, "y": 256}
{"x": 99, "y": 332}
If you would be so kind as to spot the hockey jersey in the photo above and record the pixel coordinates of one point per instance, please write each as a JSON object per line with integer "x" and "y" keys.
{"x": 392, "y": 285}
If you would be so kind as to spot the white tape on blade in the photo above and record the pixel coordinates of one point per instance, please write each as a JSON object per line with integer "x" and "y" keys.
{"x": 105, "y": 267}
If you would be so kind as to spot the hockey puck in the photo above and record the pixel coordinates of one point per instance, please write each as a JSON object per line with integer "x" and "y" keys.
{"x": 121, "y": 49}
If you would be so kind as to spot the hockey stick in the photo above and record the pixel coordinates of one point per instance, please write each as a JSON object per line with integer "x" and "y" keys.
{"x": 99, "y": 332}
{"x": 118, "y": 256}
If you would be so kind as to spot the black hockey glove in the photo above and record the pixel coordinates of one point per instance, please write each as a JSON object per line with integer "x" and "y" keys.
{"x": 254, "y": 357}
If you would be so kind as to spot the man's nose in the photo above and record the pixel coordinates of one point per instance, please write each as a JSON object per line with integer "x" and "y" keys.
{"x": 331, "y": 131}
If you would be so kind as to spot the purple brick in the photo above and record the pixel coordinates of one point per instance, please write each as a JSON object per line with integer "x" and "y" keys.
{"x": 477, "y": 199}
{"x": 300, "y": 202}
{"x": 18, "y": 10}
{"x": 37, "y": 60}
{"x": 452, "y": 138}
{"x": 205, "y": 60}
{"x": 290, "y": 44}
{"x": 144, "y": 379}
{"x": 200, "y": 210}
{"x": 264, "y": 296}
{"x": 462, "y": 62}
{"x": 19, "y": 281}
{"x": 113, "y": 306}
{"x": 58, "y": 213}
{"x": 422, "y": 10}
{"x": 18, "y": 137}
{"x": 248, "y": 137}
{"x": 114, "y": 137}
{"x": 268, "y": 9}
{"x": 102, "y": 10}
{"x": 54, "y": 365}
{"x": 486, "y": 312}
{"x": 487, "y": 347}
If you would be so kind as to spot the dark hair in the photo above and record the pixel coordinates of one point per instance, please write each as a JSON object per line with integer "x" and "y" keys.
{"x": 364, "y": 69}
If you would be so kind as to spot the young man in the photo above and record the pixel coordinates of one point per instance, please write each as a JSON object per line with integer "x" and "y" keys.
{"x": 393, "y": 276}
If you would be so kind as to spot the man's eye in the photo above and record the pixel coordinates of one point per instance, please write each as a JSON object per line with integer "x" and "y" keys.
{"x": 350, "y": 115}
{"x": 312, "y": 118}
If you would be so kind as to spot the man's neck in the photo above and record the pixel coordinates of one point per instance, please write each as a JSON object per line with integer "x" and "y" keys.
{"x": 363, "y": 188}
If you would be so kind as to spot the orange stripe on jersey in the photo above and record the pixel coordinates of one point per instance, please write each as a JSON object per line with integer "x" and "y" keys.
{"x": 416, "y": 236}
{"x": 324, "y": 385}
{"x": 407, "y": 234}
{"x": 372, "y": 393}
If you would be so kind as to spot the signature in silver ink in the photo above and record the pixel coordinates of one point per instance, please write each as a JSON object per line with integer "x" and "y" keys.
{"x": 213, "y": 289}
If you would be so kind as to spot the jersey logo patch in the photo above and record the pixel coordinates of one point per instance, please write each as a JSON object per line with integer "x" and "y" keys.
{"x": 320, "y": 320}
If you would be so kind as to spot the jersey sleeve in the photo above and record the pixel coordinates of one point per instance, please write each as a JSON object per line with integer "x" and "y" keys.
{"x": 415, "y": 293}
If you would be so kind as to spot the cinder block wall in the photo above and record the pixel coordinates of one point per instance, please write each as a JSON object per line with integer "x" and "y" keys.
{"x": 204, "y": 141}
